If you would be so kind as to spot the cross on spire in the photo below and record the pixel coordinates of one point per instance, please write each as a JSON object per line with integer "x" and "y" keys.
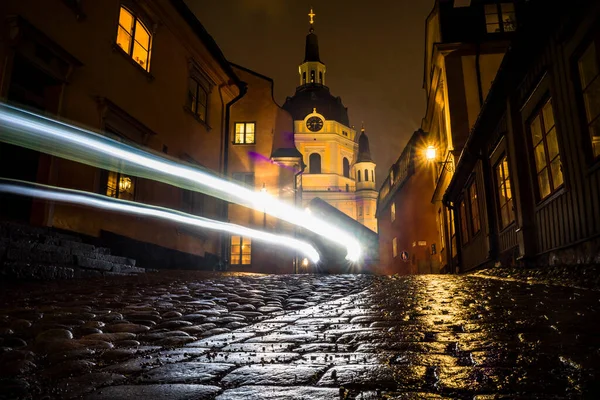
{"x": 312, "y": 15}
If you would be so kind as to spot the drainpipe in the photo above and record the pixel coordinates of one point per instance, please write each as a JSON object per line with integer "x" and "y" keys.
{"x": 478, "y": 73}
{"x": 224, "y": 160}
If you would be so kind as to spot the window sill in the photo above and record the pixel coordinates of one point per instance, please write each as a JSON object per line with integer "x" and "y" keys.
{"x": 243, "y": 144}
{"x": 550, "y": 198}
{"x": 197, "y": 118}
{"x": 120, "y": 51}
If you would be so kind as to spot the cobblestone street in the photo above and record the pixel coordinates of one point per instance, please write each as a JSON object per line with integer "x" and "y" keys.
{"x": 192, "y": 336}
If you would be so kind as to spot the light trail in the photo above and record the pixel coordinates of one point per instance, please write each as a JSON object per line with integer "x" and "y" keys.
{"x": 117, "y": 205}
{"x": 60, "y": 139}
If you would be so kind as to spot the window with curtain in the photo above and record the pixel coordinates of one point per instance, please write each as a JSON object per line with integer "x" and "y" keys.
{"x": 134, "y": 38}
{"x": 245, "y": 133}
{"x": 504, "y": 193}
{"x": 589, "y": 76}
{"x": 474, "y": 206}
{"x": 500, "y": 17}
{"x": 241, "y": 251}
{"x": 546, "y": 152}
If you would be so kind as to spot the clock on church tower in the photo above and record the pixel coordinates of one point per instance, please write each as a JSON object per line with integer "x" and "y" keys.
{"x": 314, "y": 124}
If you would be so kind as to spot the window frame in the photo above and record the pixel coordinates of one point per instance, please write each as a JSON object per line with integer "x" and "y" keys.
{"x": 474, "y": 205}
{"x": 244, "y": 143}
{"x": 510, "y": 203}
{"x": 499, "y": 13}
{"x": 138, "y": 17}
{"x": 536, "y": 112}
{"x": 346, "y": 167}
{"x": 118, "y": 176}
{"x": 194, "y": 107}
{"x": 464, "y": 225}
{"x": 592, "y": 40}
{"x": 241, "y": 244}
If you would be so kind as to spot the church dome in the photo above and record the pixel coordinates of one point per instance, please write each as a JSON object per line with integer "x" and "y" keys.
{"x": 364, "y": 153}
{"x": 311, "y": 96}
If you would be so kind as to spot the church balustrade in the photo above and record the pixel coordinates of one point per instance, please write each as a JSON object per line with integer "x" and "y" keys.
{"x": 329, "y": 188}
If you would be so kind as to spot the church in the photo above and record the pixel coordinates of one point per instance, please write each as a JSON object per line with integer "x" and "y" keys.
{"x": 340, "y": 170}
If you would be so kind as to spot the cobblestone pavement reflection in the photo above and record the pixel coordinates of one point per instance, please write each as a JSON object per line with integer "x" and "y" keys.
{"x": 191, "y": 336}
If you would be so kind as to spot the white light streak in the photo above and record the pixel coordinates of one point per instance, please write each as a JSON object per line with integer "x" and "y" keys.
{"x": 117, "y": 205}
{"x": 57, "y": 138}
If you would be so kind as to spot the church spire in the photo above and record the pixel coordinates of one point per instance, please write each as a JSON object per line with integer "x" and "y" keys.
{"x": 311, "y": 53}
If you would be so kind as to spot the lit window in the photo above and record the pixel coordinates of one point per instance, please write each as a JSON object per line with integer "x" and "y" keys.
{"x": 120, "y": 186}
{"x": 463, "y": 222}
{"x": 545, "y": 147}
{"x": 392, "y": 176}
{"x": 134, "y": 38}
{"x": 504, "y": 193}
{"x": 500, "y": 17}
{"x": 395, "y": 247}
{"x": 589, "y": 75}
{"x": 312, "y": 76}
{"x": 393, "y": 212}
{"x": 441, "y": 228}
{"x": 241, "y": 250}
{"x": 244, "y": 133}
{"x": 475, "y": 223}
{"x": 197, "y": 100}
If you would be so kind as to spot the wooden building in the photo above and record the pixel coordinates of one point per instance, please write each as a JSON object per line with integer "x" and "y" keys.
{"x": 144, "y": 72}
{"x": 527, "y": 184}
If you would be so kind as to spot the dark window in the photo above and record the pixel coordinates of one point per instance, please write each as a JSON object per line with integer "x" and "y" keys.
{"x": 303, "y": 78}
{"x": 500, "y": 17}
{"x": 372, "y": 176}
{"x": 244, "y": 133}
{"x": 192, "y": 202}
{"x": 366, "y": 175}
{"x": 504, "y": 193}
{"x": 474, "y": 206}
{"x": 321, "y": 77}
{"x": 548, "y": 166}
{"x": 347, "y": 187}
{"x": 589, "y": 75}
{"x": 346, "y": 167}
{"x": 197, "y": 99}
{"x": 358, "y": 175}
{"x": 314, "y": 162}
{"x": 134, "y": 38}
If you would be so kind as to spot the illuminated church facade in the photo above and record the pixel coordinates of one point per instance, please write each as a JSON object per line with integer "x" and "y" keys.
{"x": 339, "y": 167}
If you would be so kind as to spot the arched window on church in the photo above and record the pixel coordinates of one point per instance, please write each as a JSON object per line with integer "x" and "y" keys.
{"x": 372, "y": 176}
{"x": 346, "y": 165}
{"x": 321, "y": 77}
{"x": 358, "y": 175}
{"x": 314, "y": 163}
{"x": 366, "y": 175}
{"x": 312, "y": 76}
{"x": 304, "y": 77}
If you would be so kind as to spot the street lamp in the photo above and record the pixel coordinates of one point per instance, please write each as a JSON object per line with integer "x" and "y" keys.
{"x": 431, "y": 155}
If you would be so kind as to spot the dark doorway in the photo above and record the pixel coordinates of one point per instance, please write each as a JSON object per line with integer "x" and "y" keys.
{"x": 31, "y": 89}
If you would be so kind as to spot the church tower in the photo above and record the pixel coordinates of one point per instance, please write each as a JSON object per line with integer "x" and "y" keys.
{"x": 328, "y": 144}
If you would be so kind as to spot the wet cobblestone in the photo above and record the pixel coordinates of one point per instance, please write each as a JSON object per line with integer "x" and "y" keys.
{"x": 200, "y": 336}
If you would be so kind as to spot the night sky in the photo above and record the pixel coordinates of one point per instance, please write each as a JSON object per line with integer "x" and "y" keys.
{"x": 373, "y": 52}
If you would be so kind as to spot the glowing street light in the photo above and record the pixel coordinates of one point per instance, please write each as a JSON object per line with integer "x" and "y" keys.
{"x": 430, "y": 153}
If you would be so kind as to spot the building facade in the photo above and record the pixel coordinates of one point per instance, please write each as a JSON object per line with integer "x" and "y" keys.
{"x": 408, "y": 237}
{"x": 339, "y": 169}
{"x": 143, "y": 72}
{"x": 261, "y": 155}
{"x": 527, "y": 185}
